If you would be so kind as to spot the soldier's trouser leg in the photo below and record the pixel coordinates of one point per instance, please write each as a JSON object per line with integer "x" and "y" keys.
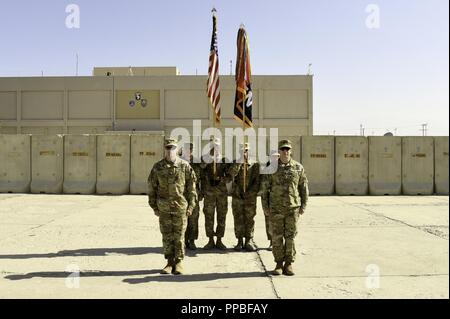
{"x": 268, "y": 227}
{"x": 290, "y": 231}
{"x": 277, "y": 223}
{"x": 222, "y": 209}
{"x": 249, "y": 217}
{"x": 173, "y": 227}
{"x": 237, "y": 205}
{"x": 209, "y": 208}
{"x": 192, "y": 226}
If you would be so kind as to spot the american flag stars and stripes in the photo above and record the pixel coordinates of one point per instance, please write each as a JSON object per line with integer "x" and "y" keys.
{"x": 213, "y": 87}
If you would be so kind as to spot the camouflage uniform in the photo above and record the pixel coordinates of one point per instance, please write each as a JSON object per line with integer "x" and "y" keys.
{"x": 244, "y": 204}
{"x": 284, "y": 193}
{"x": 215, "y": 197}
{"x": 171, "y": 191}
{"x": 192, "y": 225}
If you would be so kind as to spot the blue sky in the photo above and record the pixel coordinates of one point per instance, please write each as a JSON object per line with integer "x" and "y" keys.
{"x": 392, "y": 77}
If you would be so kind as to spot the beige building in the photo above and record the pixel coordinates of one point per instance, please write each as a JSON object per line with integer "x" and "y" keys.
{"x": 146, "y": 99}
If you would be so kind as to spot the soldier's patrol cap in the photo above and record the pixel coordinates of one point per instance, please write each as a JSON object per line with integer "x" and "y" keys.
{"x": 245, "y": 146}
{"x": 216, "y": 141}
{"x": 285, "y": 144}
{"x": 170, "y": 142}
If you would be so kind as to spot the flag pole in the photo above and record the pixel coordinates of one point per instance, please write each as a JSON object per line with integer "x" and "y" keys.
{"x": 243, "y": 150}
{"x": 243, "y": 111}
{"x": 213, "y": 11}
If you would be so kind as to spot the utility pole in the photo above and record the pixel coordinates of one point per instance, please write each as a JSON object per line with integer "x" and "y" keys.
{"x": 231, "y": 67}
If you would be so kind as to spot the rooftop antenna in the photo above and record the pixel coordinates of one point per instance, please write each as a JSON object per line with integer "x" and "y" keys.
{"x": 309, "y": 69}
{"x": 424, "y": 129}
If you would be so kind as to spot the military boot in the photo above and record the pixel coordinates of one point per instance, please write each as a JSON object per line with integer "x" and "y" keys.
{"x": 249, "y": 245}
{"x": 178, "y": 269}
{"x": 210, "y": 244}
{"x": 168, "y": 268}
{"x": 219, "y": 244}
{"x": 192, "y": 245}
{"x": 278, "y": 269}
{"x": 240, "y": 244}
{"x": 287, "y": 269}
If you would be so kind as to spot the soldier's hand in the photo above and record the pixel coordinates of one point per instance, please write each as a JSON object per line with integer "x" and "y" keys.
{"x": 157, "y": 213}
{"x": 267, "y": 212}
{"x": 189, "y": 212}
{"x": 301, "y": 211}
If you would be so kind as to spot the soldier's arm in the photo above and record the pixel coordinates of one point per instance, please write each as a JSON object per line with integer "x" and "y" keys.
{"x": 303, "y": 189}
{"x": 265, "y": 189}
{"x": 199, "y": 177}
{"x": 191, "y": 194}
{"x": 255, "y": 183}
{"x": 152, "y": 183}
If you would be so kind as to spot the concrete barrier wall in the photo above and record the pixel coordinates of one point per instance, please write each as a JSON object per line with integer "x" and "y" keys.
{"x": 113, "y": 164}
{"x": 146, "y": 150}
{"x": 318, "y": 161}
{"x": 417, "y": 165}
{"x": 441, "y": 165}
{"x": 385, "y": 165}
{"x": 80, "y": 164}
{"x": 15, "y": 163}
{"x": 352, "y": 159}
{"x": 47, "y": 164}
{"x": 119, "y": 163}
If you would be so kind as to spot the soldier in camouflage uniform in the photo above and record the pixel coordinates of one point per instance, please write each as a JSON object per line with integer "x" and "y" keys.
{"x": 192, "y": 226}
{"x": 171, "y": 194}
{"x": 215, "y": 194}
{"x": 285, "y": 194}
{"x": 244, "y": 202}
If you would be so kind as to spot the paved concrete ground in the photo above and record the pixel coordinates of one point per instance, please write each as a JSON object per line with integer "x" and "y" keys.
{"x": 344, "y": 242}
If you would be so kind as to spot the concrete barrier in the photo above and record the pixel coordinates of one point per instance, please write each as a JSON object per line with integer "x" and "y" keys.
{"x": 146, "y": 150}
{"x": 113, "y": 164}
{"x": 385, "y": 165}
{"x": 318, "y": 161}
{"x": 352, "y": 163}
{"x": 441, "y": 165}
{"x": 80, "y": 164}
{"x": 15, "y": 163}
{"x": 417, "y": 165}
{"x": 47, "y": 164}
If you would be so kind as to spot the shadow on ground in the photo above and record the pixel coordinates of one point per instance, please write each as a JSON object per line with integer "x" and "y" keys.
{"x": 160, "y": 278}
{"x": 195, "y": 277}
{"x": 90, "y": 252}
{"x": 65, "y": 274}
{"x": 112, "y": 251}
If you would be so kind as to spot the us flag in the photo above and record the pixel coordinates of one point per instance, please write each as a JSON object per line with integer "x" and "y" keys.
{"x": 213, "y": 87}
